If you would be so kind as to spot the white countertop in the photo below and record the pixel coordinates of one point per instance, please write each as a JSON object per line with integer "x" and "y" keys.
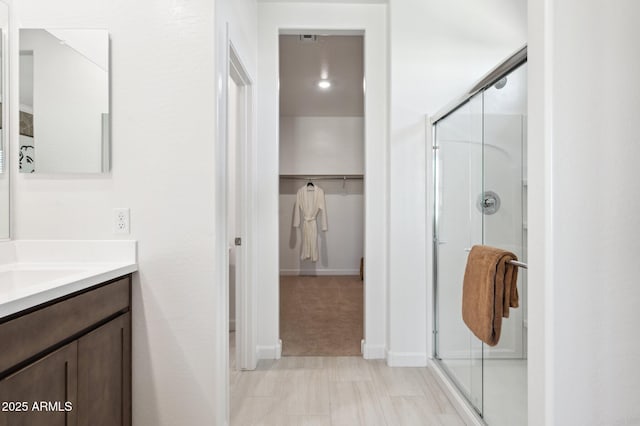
{"x": 35, "y": 272}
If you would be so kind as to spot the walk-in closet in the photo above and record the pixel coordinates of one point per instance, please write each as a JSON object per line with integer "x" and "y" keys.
{"x": 321, "y": 215}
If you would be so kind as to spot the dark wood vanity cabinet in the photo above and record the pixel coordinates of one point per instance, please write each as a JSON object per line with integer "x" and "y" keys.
{"x": 51, "y": 378}
{"x": 69, "y": 362}
{"x": 104, "y": 374}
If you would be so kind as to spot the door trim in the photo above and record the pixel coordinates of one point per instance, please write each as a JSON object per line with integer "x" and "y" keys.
{"x": 246, "y": 339}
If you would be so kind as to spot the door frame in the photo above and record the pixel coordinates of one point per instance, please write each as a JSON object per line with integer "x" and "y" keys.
{"x": 327, "y": 31}
{"x": 246, "y": 357}
{"x": 370, "y": 20}
{"x": 228, "y": 59}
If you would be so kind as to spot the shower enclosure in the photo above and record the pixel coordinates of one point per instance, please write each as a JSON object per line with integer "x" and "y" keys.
{"x": 480, "y": 181}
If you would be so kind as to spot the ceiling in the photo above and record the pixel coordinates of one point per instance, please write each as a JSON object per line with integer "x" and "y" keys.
{"x": 303, "y": 63}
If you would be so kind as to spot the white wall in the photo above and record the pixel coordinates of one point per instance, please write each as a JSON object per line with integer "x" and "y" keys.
{"x": 586, "y": 99}
{"x": 370, "y": 18}
{"x": 438, "y": 50}
{"x": 70, "y": 92}
{"x": 93, "y": 44}
{"x": 540, "y": 252}
{"x": 163, "y": 169}
{"x": 321, "y": 145}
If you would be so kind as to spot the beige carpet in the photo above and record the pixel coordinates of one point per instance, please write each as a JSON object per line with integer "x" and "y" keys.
{"x": 321, "y": 316}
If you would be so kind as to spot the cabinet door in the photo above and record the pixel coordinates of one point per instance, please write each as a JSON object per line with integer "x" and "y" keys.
{"x": 45, "y": 386}
{"x": 104, "y": 375}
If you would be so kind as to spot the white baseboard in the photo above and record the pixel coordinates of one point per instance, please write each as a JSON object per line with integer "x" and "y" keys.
{"x": 270, "y": 352}
{"x": 232, "y": 324}
{"x": 319, "y": 272}
{"x": 406, "y": 359}
{"x": 459, "y": 402}
{"x": 372, "y": 351}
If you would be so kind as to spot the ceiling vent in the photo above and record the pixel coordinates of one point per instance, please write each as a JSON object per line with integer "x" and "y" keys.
{"x": 308, "y": 38}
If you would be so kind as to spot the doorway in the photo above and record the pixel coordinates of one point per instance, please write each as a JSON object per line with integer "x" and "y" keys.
{"x": 321, "y": 194}
{"x": 238, "y": 172}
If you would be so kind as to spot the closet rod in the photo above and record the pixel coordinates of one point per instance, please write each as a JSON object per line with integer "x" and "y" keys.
{"x": 322, "y": 177}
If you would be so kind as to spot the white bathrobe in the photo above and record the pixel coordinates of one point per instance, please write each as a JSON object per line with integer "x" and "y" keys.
{"x": 310, "y": 200}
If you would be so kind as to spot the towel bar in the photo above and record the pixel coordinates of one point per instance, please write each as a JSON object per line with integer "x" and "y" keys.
{"x": 513, "y": 262}
{"x": 519, "y": 264}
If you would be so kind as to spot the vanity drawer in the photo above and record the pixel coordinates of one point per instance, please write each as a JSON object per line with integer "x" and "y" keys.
{"x": 35, "y": 332}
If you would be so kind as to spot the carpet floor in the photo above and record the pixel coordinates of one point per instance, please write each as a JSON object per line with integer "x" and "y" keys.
{"x": 321, "y": 316}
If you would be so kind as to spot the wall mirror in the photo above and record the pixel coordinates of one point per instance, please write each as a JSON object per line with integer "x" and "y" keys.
{"x": 64, "y": 101}
{"x": 4, "y": 119}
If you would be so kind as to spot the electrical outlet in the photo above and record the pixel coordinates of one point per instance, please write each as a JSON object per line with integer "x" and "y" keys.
{"x": 120, "y": 221}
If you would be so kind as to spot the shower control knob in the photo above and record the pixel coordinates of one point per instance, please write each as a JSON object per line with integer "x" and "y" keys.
{"x": 488, "y": 202}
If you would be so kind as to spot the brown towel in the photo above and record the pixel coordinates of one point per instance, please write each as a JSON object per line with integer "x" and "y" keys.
{"x": 489, "y": 290}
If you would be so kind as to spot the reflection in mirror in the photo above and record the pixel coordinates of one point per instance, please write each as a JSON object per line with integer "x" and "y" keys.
{"x": 64, "y": 101}
{"x": 4, "y": 119}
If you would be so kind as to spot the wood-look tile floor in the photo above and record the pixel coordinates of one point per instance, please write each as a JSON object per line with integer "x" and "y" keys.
{"x": 337, "y": 391}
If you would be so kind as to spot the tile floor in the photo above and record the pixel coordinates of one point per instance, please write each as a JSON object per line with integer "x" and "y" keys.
{"x": 336, "y": 391}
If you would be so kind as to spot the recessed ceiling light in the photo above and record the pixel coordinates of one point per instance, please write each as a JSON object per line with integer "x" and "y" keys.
{"x": 324, "y": 84}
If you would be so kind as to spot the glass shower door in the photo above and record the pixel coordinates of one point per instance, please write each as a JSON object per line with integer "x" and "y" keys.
{"x": 481, "y": 198}
{"x": 504, "y": 226}
{"x": 458, "y": 227}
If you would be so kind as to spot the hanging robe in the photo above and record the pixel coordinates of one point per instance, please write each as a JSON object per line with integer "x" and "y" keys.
{"x": 309, "y": 202}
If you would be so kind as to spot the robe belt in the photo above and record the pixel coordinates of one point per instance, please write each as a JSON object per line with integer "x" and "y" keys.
{"x": 309, "y": 219}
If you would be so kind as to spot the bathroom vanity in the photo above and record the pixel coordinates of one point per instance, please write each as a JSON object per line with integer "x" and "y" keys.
{"x": 65, "y": 333}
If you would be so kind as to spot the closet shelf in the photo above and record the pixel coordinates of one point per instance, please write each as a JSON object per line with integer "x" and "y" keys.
{"x": 322, "y": 177}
